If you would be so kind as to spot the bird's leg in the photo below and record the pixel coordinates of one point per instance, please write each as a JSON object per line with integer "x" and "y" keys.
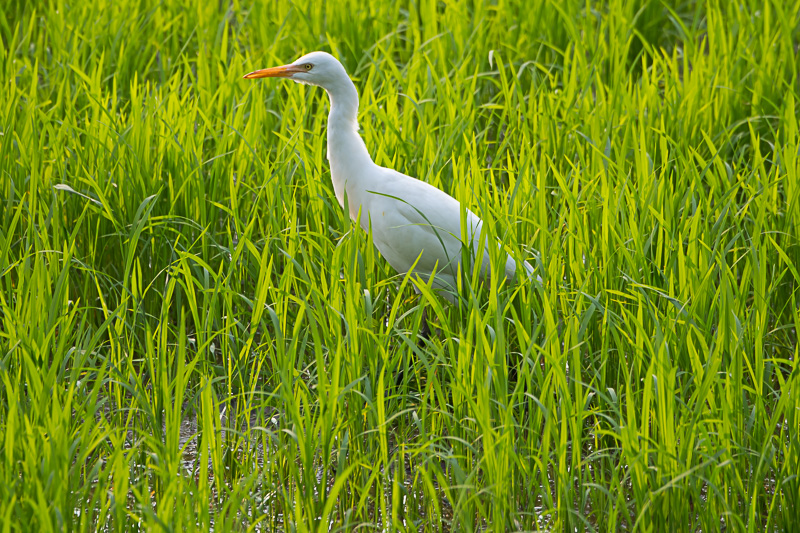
{"x": 424, "y": 333}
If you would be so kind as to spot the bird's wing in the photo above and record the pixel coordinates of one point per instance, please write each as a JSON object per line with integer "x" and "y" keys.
{"x": 414, "y": 221}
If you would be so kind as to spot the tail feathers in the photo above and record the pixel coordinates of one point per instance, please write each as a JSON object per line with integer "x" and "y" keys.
{"x": 529, "y": 270}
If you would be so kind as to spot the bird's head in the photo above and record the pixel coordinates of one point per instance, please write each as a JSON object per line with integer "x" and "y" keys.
{"x": 316, "y": 68}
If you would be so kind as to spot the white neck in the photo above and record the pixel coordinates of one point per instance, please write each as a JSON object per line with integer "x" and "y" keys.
{"x": 348, "y": 156}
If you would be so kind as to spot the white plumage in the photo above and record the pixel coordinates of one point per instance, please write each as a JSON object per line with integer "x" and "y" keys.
{"x": 412, "y": 221}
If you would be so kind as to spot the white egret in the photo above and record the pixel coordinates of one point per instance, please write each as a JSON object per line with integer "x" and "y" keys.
{"x": 413, "y": 223}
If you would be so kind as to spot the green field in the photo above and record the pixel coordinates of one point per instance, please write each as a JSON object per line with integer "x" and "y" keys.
{"x": 193, "y": 334}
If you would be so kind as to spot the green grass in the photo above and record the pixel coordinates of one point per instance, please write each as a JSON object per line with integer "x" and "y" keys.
{"x": 170, "y": 247}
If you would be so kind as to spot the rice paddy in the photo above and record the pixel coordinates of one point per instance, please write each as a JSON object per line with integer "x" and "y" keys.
{"x": 194, "y": 335}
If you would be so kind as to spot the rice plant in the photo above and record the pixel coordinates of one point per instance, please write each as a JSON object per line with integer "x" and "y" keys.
{"x": 194, "y": 335}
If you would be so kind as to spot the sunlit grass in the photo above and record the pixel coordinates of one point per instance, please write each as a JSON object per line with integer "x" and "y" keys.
{"x": 173, "y": 264}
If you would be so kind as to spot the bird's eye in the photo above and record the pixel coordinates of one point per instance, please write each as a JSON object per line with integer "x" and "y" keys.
{"x": 308, "y": 66}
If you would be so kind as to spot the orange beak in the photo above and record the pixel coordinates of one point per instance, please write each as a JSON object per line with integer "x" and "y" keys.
{"x": 284, "y": 71}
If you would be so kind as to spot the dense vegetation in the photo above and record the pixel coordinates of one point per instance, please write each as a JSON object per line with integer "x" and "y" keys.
{"x": 173, "y": 264}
